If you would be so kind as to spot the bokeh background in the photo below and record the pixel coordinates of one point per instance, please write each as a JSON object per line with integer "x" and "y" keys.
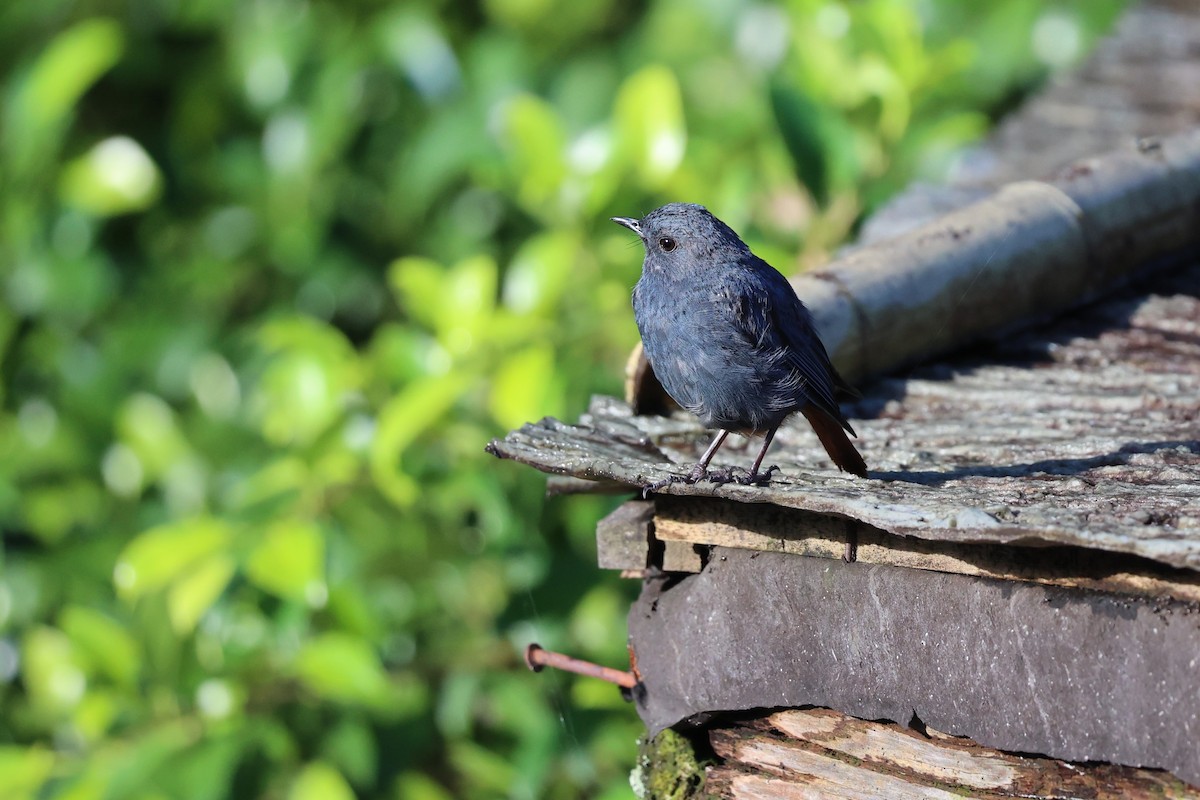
{"x": 273, "y": 274}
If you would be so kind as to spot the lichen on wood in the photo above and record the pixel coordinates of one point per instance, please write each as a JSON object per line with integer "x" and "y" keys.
{"x": 668, "y": 768}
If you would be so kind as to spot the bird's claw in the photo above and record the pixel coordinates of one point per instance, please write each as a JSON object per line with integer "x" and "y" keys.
{"x": 758, "y": 478}
{"x": 719, "y": 477}
{"x": 698, "y": 473}
{"x": 741, "y": 476}
{"x": 667, "y": 481}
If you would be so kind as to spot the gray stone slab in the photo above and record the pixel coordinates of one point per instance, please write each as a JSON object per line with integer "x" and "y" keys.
{"x": 1067, "y": 673}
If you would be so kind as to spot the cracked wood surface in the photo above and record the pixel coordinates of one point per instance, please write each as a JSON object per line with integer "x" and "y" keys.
{"x": 1083, "y": 433}
{"x": 819, "y": 752}
{"x": 685, "y": 522}
{"x": 1142, "y": 80}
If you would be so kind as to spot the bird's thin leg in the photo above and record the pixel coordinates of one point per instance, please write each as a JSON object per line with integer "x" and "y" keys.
{"x": 701, "y": 467}
{"x": 698, "y": 471}
{"x": 753, "y": 476}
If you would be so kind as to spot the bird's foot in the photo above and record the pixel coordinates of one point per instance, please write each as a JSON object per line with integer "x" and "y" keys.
{"x": 650, "y": 488}
{"x": 695, "y": 476}
{"x": 741, "y": 476}
{"x": 722, "y": 476}
{"x": 758, "y": 478}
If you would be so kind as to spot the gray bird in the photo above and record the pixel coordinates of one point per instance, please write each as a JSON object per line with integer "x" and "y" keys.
{"x": 730, "y": 341}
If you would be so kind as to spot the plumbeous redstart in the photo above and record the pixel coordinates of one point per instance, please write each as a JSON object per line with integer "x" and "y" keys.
{"x": 729, "y": 340}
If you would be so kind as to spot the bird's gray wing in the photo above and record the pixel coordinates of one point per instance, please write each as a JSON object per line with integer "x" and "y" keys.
{"x": 774, "y": 318}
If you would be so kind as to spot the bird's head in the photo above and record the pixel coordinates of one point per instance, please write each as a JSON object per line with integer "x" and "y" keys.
{"x": 680, "y": 235}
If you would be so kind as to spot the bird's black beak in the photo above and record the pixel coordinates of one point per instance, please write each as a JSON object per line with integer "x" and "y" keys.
{"x": 629, "y": 222}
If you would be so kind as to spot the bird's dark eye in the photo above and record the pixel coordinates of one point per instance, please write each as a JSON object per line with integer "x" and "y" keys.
{"x": 667, "y": 243}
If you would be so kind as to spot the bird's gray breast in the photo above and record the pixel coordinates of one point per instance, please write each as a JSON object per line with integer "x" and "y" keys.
{"x": 696, "y": 339}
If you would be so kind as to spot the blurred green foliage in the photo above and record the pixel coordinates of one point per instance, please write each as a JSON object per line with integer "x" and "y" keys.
{"x": 275, "y": 271}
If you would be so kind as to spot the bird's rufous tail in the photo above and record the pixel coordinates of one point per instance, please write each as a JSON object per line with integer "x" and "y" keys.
{"x": 835, "y": 440}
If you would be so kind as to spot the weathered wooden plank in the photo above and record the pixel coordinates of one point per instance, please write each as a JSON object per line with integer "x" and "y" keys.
{"x": 828, "y": 754}
{"x": 680, "y": 557}
{"x": 782, "y": 530}
{"x": 785, "y": 770}
{"x": 625, "y": 541}
{"x": 1085, "y": 433}
{"x": 890, "y": 747}
{"x": 1139, "y": 82}
{"x": 623, "y": 537}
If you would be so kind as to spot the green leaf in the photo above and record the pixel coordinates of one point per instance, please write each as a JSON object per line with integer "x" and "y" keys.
{"x": 66, "y": 68}
{"x": 352, "y": 748}
{"x": 289, "y": 561}
{"x": 93, "y": 718}
{"x": 203, "y": 771}
{"x": 131, "y": 770}
{"x": 651, "y": 134}
{"x": 194, "y": 592}
{"x": 895, "y": 102}
{"x": 540, "y": 272}
{"x": 274, "y": 484}
{"x": 149, "y": 427}
{"x": 304, "y": 388}
{"x": 523, "y": 386}
{"x": 402, "y": 353}
{"x": 319, "y": 781}
{"x": 534, "y": 138}
{"x": 343, "y": 668}
{"x": 417, "y": 284}
{"x": 103, "y": 642}
{"x": 401, "y": 420}
{"x": 469, "y": 299}
{"x": 51, "y": 512}
{"x": 455, "y": 303}
{"x": 820, "y": 142}
{"x": 417, "y": 786}
{"x": 52, "y": 672}
{"x": 456, "y": 703}
{"x": 162, "y": 554}
{"x": 116, "y": 176}
{"x": 482, "y": 767}
{"x": 596, "y": 619}
{"x": 23, "y": 771}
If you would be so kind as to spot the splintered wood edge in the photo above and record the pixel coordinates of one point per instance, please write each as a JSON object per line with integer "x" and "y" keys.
{"x": 950, "y": 761}
{"x": 768, "y": 528}
{"x": 798, "y": 752}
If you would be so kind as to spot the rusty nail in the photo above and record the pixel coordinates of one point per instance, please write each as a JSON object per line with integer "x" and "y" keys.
{"x": 537, "y": 658}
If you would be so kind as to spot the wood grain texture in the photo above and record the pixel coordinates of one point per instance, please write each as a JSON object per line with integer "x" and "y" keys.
{"x": 820, "y": 753}
{"x": 772, "y": 529}
{"x": 1085, "y": 433}
{"x": 1142, "y": 80}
